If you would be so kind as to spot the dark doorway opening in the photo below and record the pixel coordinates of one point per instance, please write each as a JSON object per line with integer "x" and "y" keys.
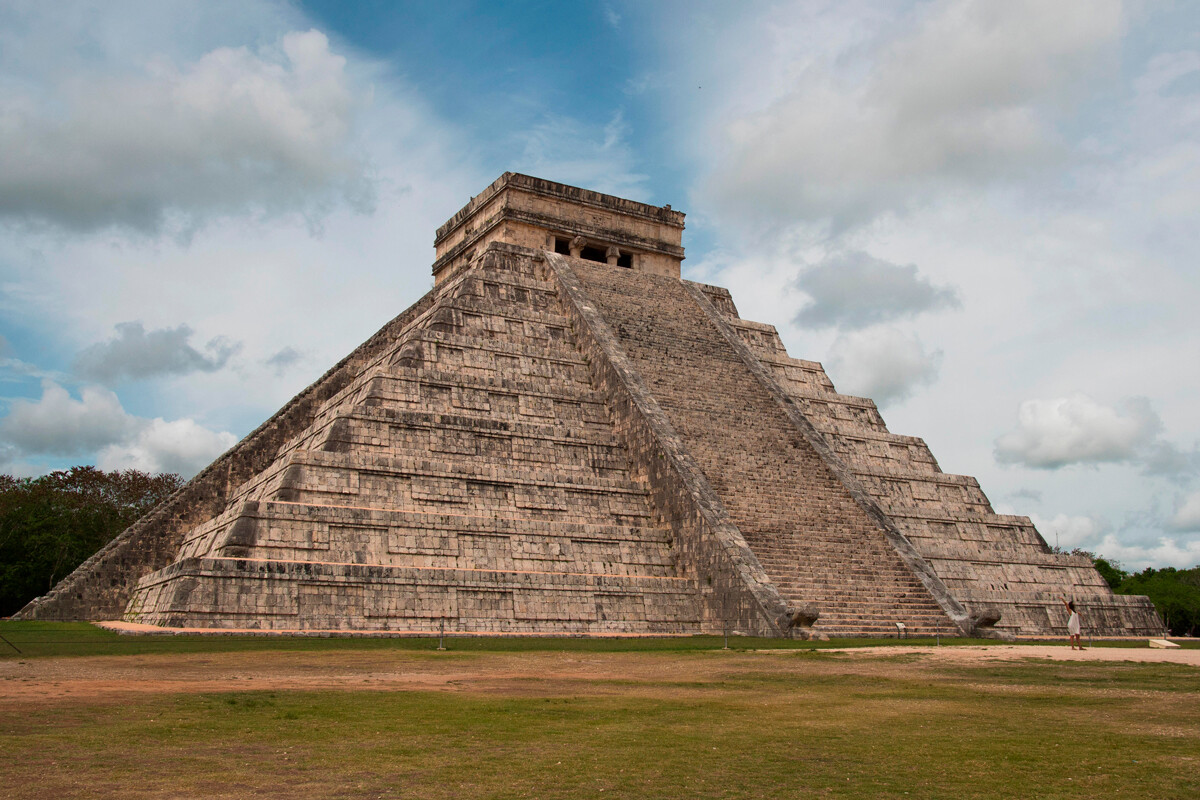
{"x": 625, "y": 260}
{"x": 562, "y": 246}
{"x": 593, "y": 254}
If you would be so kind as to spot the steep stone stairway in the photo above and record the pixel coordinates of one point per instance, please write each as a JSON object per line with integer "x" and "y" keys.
{"x": 987, "y": 560}
{"x": 469, "y": 476}
{"x": 812, "y": 538}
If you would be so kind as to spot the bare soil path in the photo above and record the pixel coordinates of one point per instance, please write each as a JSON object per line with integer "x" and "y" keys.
{"x": 108, "y": 678}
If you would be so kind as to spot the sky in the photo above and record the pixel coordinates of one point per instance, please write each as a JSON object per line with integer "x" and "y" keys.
{"x": 985, "y": 216}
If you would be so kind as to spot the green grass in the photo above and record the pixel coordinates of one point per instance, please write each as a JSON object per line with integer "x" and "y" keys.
{"x": 37, "y": 639}
{"x": 33, "y": 639}
{"x": 714, "y": 725}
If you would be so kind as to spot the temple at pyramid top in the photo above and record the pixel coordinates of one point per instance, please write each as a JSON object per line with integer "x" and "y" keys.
{"x": 544, "y": 215}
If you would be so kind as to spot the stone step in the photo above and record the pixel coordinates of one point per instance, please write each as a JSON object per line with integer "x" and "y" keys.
{"x": 558, "y": 354}
{"x": 480, "y": 444}
{"x": 485, "y": 274}
{"x": 480, "y": 423}
{"x": 463, "y": 523}
{"x": 775, "y": 487}
{"x": 315, "y": 595}
{"x": 446, "y": 466}
{"x": 982, "y": 557}
{"x": 572, "y": 504}
{"x": 304, "y": 520}
{"x": 499, "y": 553}
{"x": 474, "y": 305}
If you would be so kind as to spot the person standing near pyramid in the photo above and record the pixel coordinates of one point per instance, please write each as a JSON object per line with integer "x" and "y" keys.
{"x": 1073, "y": 626}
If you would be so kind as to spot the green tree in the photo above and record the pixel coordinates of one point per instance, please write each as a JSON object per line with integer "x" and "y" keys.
{"x": 1174, "y": 592}
{"x": 1111, "y": 572}
{"x": 51, "y": 524}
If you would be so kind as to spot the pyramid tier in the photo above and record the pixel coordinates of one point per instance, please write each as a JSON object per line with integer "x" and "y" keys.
{"x": 272, "y": 594}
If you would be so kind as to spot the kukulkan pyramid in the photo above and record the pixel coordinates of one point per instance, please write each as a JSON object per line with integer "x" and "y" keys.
{"x": 563, "y": 436}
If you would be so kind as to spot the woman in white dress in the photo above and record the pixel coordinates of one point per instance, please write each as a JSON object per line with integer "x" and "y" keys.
{"x": 1073, "y": 626}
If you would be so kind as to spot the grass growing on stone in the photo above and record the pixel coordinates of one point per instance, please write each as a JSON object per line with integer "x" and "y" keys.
{"x": 649, "y": 724}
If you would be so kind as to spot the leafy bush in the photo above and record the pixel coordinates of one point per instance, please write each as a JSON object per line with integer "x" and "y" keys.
{"x": 1111, "y": 572}
{"x": 1174, "y": 592}
{"x": 51, "y": 524}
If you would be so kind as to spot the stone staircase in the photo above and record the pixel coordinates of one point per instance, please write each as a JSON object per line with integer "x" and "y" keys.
{"x": 814, "y": 541}
{"x": 985, "y": 559}
{"x": 468, "y": 476}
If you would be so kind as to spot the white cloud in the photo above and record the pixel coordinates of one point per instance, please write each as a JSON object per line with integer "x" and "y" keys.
{"x": 1168, "y": 460}
{"x": 136, "y": 354}
{"x": 266, "y": 279}
{"x": 179, "y": 446}
{"x": 968, "y": 93}
{"x": 60, "y": 425}
{"x": 1187, "y": 518}
{"x": 1078, "y": 430}
{"x": 854, "y": 290}
{"x": 570, "y": 151}
{"x": 1024, "y": 493}
{"x": 1097, "y": 536}
{"x": 231, "y": 132}
{"x": 882, "y": 363}
{"x": 19, "y": 468}
{"x": 1068, "y": 532}
{"x": 1168, "y": 551}
{"x": 283, "y": 360}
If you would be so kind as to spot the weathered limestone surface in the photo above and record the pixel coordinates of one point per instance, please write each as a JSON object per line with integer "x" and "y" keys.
{"x": 708, "y": 545}
{"x": 814, "y": 540}
{"x": 469, "y": 474}
{"x": 531, "y": 212}
{"x": 548, "y": 442}
{"x": 985, "y": 559}
{"x": 101, "y": 587}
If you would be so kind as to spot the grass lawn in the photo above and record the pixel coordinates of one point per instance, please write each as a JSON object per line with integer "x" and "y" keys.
{"x": 567, "y": 720}
{"x": 34, "y": 639}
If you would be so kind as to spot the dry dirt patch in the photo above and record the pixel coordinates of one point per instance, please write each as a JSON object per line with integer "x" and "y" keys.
{"x": 528, "y": 673}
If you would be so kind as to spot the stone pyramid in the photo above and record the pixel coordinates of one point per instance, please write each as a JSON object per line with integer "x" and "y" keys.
{"x": 564, "y": 437}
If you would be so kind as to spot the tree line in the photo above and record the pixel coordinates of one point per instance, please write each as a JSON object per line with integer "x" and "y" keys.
{"x": 49, "y": 525}
{"x": 1174, "y": 592}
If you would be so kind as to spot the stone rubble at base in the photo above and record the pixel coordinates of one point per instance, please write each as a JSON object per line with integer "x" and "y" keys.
{"x": 549, "y": 441}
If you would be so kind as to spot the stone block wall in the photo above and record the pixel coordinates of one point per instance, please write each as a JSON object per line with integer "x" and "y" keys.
{"x": 531, "y": 212}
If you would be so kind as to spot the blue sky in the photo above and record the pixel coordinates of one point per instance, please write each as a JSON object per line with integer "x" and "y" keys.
{"x": 982, "y": 215}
